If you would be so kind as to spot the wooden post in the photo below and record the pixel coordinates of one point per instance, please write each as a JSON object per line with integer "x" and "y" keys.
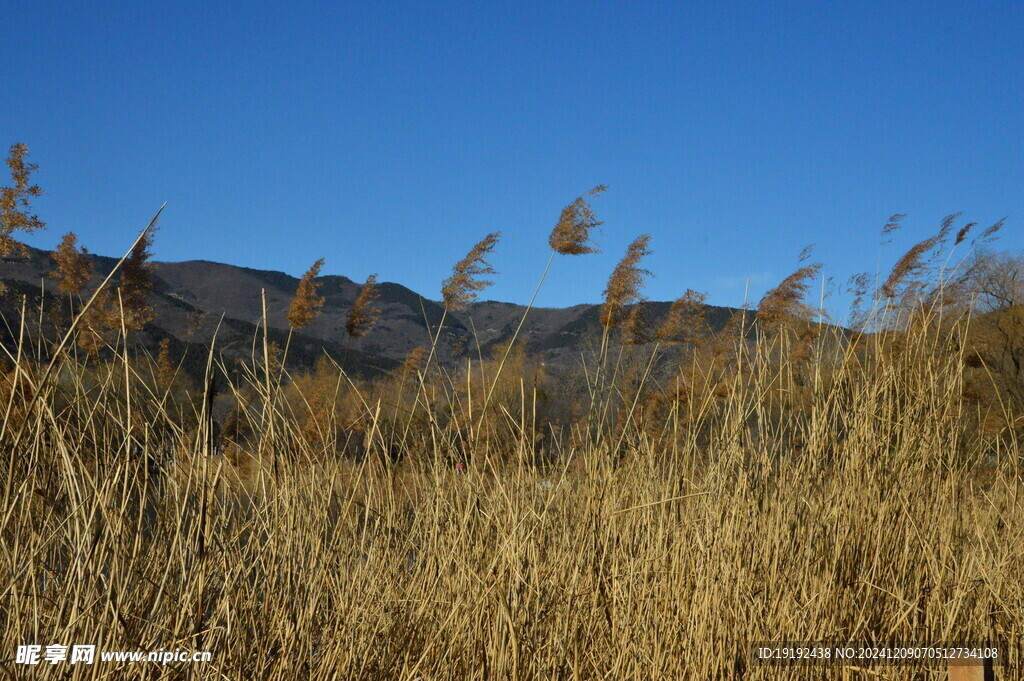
{"x": 971, "y": 672}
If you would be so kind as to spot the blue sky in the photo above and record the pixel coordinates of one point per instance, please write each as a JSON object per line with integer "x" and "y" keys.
{"x": 389, "y": 137}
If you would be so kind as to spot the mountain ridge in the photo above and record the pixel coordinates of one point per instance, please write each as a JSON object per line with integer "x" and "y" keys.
{"x": 193, "y": 299}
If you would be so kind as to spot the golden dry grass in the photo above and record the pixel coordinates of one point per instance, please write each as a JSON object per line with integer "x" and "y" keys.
{"x": 784, "y": 483}
{"x": 860, "y": 506}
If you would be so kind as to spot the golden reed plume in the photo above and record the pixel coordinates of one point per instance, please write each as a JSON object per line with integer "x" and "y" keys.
{"x": 306, "y": 305}
{"x": 625, "y": 283}
{"x": 462, "y": 287}
{"x": 363, "y": 314}
{"x": 73, "y": 265}
{"x": 16, "y": 200}
{"x": 686, "y": 321}
{"x": 571, "y": 235}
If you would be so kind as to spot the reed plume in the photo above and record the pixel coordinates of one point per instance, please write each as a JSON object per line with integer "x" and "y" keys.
{"x": 97, "y": 323}
{"x": 637, "y": 329}
{"x": 363, "y": 314}
{"x": 414, "y": 361}
{"x": 136, "y": 283}
{"x": 859, "y": 285}
{"x": 894, "y": 224}
{"x": 165, "y": 369}
{"x": 909, "y": 267}
{"x": 306, "y": 304}
{"x": 786, "y": 301}
{"x": 73, "y": 266}
{"x": 947, "y": 225}
{"x": 462, "y": 287}
{"x": 625, "y": 284}
{"x": 572, "y": 233}
{"x": 16, "y": 202}
{"x": 686, "y": 321}
{"x": 962, "y": 234}
{"x": 990, "y": 233}
{"x": 910, "y": 272}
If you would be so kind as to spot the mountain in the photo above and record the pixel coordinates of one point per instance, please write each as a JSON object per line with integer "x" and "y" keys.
{"x": 194, "y": 300}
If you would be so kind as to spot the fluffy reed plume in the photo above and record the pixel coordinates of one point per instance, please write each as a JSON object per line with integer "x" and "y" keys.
{"x": 637, "y": 329}
{"x": 893, "y": 225}
{"x": 165, "y": 368}
{"x": 859, "y": 285}
{"x": 414, "y": 361}
{"x": 97, "y": 323}
{"x": 686, "y": 321}
{"x": 462, "y": 287}
{"x": 947, "y": 225}
{"x": 73, "y": 266}
{"x": 990, "y": 233}
{"x": 911, "y": 275}
{"x": 910, "y": 267}
{"x": 625, "y": 283}
{"x": 274, "y": 358}
{"x": 126, "y": 308}
{"x": 786, "y": 301}
{"x": 571, "y": 235}
{"x": 306, "y": 304}
{"x": 962, "y": 234}
{"x": 363, "y": 314}
{"x": 16, "y": 201}
{"x": 137, "y": 283}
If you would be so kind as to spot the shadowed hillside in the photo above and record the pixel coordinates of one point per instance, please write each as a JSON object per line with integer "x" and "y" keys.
{"x": 191, "y": 298}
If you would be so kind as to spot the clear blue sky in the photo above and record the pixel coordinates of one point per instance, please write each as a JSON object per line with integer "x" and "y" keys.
{"x": 389, "y": 137}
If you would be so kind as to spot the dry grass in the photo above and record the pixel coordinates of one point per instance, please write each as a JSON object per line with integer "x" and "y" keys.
{"x": 845, "y": 493}
{"x": 886, "y": 521}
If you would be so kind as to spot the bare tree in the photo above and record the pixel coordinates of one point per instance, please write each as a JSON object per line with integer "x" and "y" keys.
{"x": 997, "y": 280}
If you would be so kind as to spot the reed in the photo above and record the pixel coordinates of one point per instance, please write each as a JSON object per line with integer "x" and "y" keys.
{"x": 739, "y": 491}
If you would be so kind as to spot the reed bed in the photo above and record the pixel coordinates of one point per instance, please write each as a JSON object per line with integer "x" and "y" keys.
{"x": 779, "y": 480}
{"x": 871, "y": 511}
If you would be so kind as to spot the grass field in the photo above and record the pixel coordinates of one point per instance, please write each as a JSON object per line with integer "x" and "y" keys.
{"x": 683, "y": 499}
{"x": 851, "y": 498}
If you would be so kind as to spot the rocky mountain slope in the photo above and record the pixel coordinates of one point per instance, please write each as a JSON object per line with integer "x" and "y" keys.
{"x": 194, "y": 300}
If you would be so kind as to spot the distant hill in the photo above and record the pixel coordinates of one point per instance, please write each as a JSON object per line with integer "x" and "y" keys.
{"x": 192, "y": 299}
